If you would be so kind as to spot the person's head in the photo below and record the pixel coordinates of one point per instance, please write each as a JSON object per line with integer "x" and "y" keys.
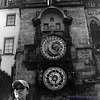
{"x": 21, "y": 89}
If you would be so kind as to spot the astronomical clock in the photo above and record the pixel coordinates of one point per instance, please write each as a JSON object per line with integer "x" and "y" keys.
{"x": 53, "y": 47}
{"x": 53, "y": 43}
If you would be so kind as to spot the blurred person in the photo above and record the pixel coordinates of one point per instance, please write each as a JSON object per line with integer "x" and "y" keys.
{"x": 21, "y": 89}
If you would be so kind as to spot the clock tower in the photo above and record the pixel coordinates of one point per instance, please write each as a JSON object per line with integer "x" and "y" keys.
{"x": 53, "y": 41}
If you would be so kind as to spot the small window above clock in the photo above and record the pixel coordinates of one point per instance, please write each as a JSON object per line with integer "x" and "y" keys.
{"x": 46, "y": 26}
{"x": 58, "y": 26}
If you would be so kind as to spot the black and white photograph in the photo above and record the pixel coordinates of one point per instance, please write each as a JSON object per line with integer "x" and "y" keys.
{"x": 49, "y": 49}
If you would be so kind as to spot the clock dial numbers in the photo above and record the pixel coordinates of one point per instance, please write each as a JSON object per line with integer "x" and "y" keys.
{"x": 54, "y": 78}
{"x": 53, "y": 47}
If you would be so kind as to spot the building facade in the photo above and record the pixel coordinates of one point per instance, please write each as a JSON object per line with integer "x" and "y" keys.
{"x": 56, "y": 44}
{"x": 9, "y": 32}
{"x": 9, "y": 28}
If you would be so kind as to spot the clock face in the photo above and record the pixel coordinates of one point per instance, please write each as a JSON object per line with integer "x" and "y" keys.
{"x": 54, "y": 78}
{"x": 53, "y": 47}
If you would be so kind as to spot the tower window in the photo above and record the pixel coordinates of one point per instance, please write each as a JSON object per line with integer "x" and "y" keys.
{"x": 58, "y": 26}
{"x": 10, "y": 20}
{"x": 8, "y": 45}
{"x": 46, "y": 26}
{"x": 95, "y": 32}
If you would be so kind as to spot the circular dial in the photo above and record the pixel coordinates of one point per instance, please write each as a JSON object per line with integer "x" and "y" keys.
{"x": 54, "y": 78}
{"x": 53, "y": 47}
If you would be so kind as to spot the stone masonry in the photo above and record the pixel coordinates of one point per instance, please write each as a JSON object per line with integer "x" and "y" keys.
{"x": 79, "y": 34}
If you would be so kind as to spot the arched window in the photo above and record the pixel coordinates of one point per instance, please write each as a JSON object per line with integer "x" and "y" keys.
{"x": 95, "y": 33}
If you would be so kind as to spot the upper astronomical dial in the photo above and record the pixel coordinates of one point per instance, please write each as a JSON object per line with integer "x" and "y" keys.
{"x": 53, "y": 47}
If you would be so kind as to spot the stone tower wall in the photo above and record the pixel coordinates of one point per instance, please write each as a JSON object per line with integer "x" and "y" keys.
{"x": 78, "y": 32}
